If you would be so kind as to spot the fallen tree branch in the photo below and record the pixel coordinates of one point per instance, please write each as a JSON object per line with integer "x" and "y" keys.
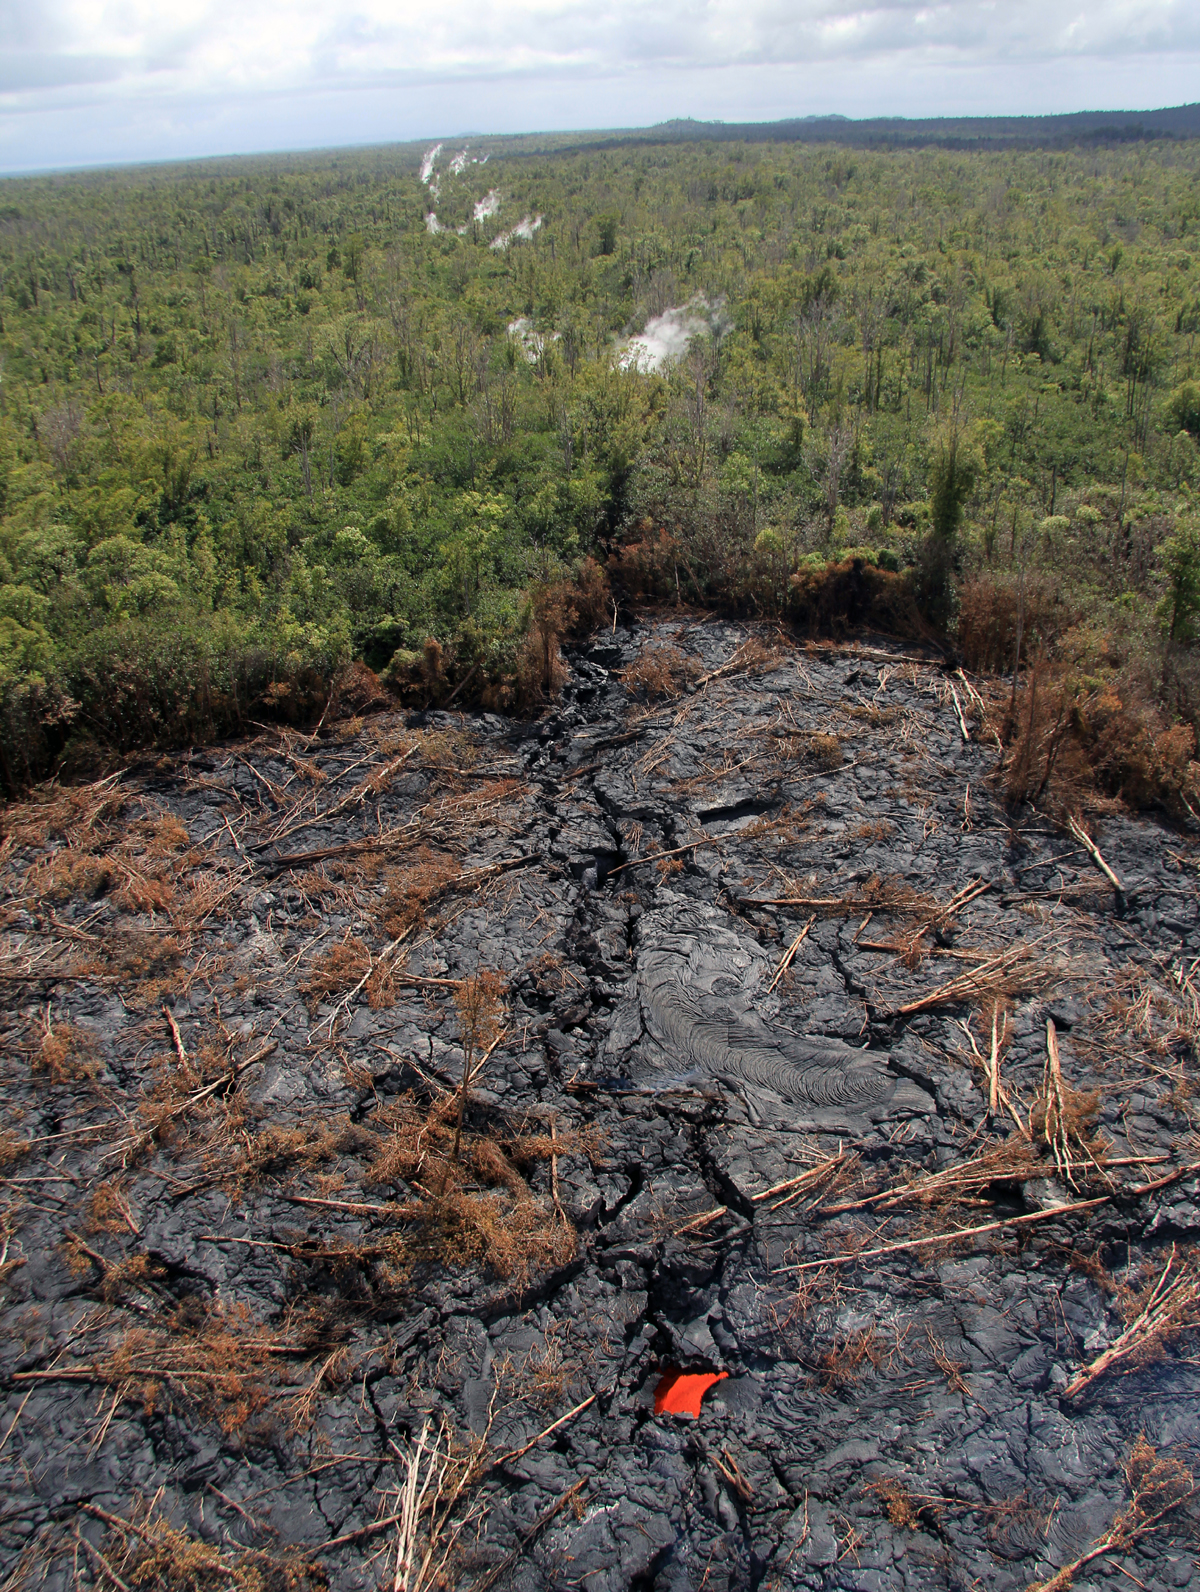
{"x": 804, "y": 1180}
{"x": 962, "y": 723}
{"x": 942, "y": 1238}
{"x": 788, "y": 955}
{"x": 540, "y": 1524}
{"x": 657, "y": 856}
{"x": 973, "y": 982}
{"x": 1169, "y": 1310}
{"x": 701, "y": 1221}
{"x": 176, "y": 1036}
{"x": 1093, "y": 851}
{"x": 519, "y": 1453}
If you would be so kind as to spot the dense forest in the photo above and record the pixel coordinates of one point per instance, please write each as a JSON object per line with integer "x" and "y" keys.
{"x": 428, "y": 408}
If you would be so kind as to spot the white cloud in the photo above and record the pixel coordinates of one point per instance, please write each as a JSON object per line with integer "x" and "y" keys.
{"x": 118, "y": 78}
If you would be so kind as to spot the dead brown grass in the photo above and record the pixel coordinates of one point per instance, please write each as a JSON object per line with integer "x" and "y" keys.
{"x": 336, "y": 971}
{"x": 1065, "y": 738}
{"x": 66, "y": 1053}
{"x": 660, "y": 671}
{"x": 414, "y": 887}
{"x": 145, "y": 1552}
{"x": 1159, "y": 1486}
{"x": 852, "y": 1357}
{"x": 825, "y": 751}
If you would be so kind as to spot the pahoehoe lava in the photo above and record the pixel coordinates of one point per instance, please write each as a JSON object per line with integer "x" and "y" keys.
{"x": 697, "y": 983}
{"x": 251, "y": 1318}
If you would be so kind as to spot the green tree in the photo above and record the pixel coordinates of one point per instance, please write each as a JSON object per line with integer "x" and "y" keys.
{"x": 953, "y": 471}
{"x": 1184, "y": 407}
{"x": 1179, "y": 607}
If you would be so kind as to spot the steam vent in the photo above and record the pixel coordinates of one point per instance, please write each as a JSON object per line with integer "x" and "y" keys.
{"x": 703, "y": 1138}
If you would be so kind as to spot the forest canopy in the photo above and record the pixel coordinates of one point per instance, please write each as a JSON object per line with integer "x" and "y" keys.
{"x": 260, "y": 418}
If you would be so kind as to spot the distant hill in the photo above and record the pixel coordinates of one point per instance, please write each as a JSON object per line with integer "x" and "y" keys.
{"x": 898, "y": 132}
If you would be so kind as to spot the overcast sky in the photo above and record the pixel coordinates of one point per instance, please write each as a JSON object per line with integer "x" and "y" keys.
{"x": 88, "y": 81}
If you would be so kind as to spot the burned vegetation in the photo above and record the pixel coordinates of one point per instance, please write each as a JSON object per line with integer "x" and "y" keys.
{"x": 395, "y": 1111}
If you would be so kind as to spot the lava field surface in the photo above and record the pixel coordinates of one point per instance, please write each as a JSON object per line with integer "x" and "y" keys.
{"x": 392, "y": 1112}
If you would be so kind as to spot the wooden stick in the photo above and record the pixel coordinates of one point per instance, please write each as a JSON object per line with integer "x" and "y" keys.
{"x": 176, "y": 1036}
{"x": 962, "y": 723}
{"x": 371, "y": 786}
{"x": 963, "y": 985}
{"x": 101, "y": 1562}
{"x": 127, "y": 1526}
{"x": 786, "y": 959}
{"x": 353, "y": 1206}
{"x": 1162, "y": 1182}
{"x": 227, "y": 1078}
{"x": 356, "y": 1536}
{"x": 994, "y": 1063}
{"x": 1120, "y": 1535}
{"x": 519, "y": 1453}
{"x": 970, "y": 689}
{"x": 1157, "y": 1308}
{"x": 943, "y": 1238}
{"x": 194, "y": 1099}
{"x": 543, "y": 1520}
{"x": 799, "y": 1182}
{"x": 657, "y": 856}
{"x": 846, "y": 904}
{"x": 701, "y": 1221}
{"x": 1093, "y": 852}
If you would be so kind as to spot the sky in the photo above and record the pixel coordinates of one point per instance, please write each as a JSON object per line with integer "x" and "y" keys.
{"x": 86, "y": 82}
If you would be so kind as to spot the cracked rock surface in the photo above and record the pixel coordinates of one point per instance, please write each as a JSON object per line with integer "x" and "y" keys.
{"x": 755, "y": 943}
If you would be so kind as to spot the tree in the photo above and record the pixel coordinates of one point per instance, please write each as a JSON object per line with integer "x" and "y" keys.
{"x": 299, "y": 439}
{"x": 1179, "y": 608}
{"x": 607, "y": 226}
{"x": 953, "y": 471}
{"x": 1184, "y": 408}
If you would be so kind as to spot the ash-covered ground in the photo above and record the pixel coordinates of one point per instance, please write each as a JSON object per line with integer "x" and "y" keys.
{"x": 763, "y": 993}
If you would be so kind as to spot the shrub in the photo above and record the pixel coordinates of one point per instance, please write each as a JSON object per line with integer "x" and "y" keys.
{"x": 841, "y": 597}
{"x": 991, "y": 607}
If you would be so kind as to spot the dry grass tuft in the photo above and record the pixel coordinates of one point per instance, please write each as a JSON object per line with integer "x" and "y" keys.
{"x": 903, "y": 1507}
{"x": 66, "y": 875}
{"x": 1159, "y": 1484}
{"x": 12, "y": 1147}
{"x": 450, "y": 1220}
{"x": 481, "y": 1017}
{"x": 410, "y": 890}
{"x": 217, "y": 1359}
{"x": 109, "y": 1212}
{"x": 335, "y": 972}
{"x": 825, "y": 751}
{"x": 872, "y": 832}
{"x": 658, "y": 672}
{"x": 66, "y": 1054}
{"x": 852, "y": 1357}
{"x": 516, "y": 1240}
{"x": 149, "y": 1554}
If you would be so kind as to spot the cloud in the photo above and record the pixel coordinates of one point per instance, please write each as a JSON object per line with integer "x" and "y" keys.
{"x": 136, "y": 63}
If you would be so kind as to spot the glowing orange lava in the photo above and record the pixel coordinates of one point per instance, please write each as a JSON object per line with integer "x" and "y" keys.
{"x": 680, "y": 1392}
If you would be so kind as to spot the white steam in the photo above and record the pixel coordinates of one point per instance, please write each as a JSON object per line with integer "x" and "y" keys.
{"x": 427, "y": 164}
{"x": 525, "y": 228}
{"x": 667, "y": 336}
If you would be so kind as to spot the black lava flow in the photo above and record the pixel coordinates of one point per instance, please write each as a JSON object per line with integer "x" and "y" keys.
{"x": 709, "y": 908}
